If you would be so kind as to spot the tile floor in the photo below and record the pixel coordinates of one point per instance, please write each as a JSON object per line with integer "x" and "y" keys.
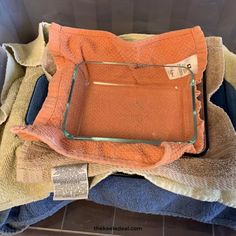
{"x": 82, "y": 217}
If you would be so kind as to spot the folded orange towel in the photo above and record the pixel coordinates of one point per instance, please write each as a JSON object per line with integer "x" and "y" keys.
{"x": 70, "y": 46}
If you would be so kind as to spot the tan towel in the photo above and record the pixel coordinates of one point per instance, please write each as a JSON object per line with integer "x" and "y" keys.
{"x": 12, "y": 192}
{"x": 17, "y": 57}
{"x": 210, "y": 178}
{"x": 19, "y": 92}
{"x": 13, "y": 72}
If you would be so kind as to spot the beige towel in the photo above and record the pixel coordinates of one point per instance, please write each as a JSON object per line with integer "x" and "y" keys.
{"x": 13, "y": 193}
{"x": 17, "y": 57}
{"x": 13, "y": 72}
{"x": 210, "y": 178}
{"x": 19, "y": 92}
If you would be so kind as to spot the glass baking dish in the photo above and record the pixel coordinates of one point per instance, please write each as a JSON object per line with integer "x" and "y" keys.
{"x": 131, "y": 103}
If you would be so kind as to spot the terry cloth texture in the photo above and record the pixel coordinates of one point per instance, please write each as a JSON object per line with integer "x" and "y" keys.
{"x": 13, "y": 71}
{"x": 15, "y": 220}
{"x": 196, "y": 178}
{"x": 140, "y": 195}
{"x": 17, "y": 57}
{"x": 13, "y": 193}
{"x": 70, "y": 46}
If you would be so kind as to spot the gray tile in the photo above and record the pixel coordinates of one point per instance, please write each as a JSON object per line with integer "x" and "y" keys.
{"x": 183, "y": 227}
{"x": 85, "y": 216}
{"x": 223, "y": 231}
{"x": 52, "y": 222}
{"x": 131, "y": 223}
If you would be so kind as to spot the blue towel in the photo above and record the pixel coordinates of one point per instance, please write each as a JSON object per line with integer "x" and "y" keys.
{"x": 139, "y": 195}
{"x": 17, "y": 219}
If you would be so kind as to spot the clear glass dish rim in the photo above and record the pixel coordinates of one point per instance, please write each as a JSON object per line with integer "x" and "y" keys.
{"x": 123, "y": 140}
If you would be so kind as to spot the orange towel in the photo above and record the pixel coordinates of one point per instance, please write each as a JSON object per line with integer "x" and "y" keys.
{"x": 70, "y": 46}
